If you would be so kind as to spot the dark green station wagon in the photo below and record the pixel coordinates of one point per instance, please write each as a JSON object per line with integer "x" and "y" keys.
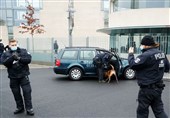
{"x": 77, "y": 62}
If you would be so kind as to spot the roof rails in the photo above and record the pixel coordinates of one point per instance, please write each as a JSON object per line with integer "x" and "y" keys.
{"x": 81, "y": 47}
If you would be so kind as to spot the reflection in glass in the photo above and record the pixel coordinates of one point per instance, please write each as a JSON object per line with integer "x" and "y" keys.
{"x": 119, "y": 5}
{"x": 121, "y": 43}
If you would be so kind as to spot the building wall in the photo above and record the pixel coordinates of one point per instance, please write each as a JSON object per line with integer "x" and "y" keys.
{"x": 88, "y": 17}
{"x": 4, "y": 34}
{"x": 140, "y": 17}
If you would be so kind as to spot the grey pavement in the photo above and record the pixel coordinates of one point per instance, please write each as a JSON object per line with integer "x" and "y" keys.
{"x": 32, "y": 66}
{"x": 55, "y": 96}
{"x": 166, "y": 75}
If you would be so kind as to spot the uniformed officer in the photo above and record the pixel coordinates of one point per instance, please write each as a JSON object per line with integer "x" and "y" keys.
{"x": 101, "y": 61}
{"x": 150, "y": 67}
{"x": 98, "y": 62}
{"x": 16, "y": 60}
{"x": 1, "y": 48}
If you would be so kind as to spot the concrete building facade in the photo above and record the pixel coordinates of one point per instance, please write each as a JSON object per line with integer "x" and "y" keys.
{"x": 89, "y": 16}
{"x": 130, "y": 20}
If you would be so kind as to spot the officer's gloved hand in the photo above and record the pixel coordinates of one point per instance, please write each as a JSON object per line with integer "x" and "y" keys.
{"x": 131, "y": 50}
{"x": 15, "y": 56}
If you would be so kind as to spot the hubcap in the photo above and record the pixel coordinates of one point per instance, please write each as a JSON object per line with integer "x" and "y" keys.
{"x": 76, "y": 74}
{"x": 130, "y": 74}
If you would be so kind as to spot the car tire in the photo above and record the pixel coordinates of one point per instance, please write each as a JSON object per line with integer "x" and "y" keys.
{"x": 75, "y": 73}
{"x": 129, "y": 74}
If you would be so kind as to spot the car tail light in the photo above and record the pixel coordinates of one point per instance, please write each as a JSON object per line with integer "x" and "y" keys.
{"x": 57, "y": 62}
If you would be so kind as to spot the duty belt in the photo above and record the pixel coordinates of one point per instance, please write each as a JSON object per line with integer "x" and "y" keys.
{"x": 155, "y": 85}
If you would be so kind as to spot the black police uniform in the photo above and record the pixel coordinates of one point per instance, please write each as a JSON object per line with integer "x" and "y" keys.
{"x": 1, "y": 50}
{"x": 104, "y": 59}
{"x": 18, "y": 71}
{"x": 150, "y": 67}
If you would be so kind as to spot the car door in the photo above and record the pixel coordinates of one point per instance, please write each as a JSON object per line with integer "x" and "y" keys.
{"x": 86, "y": 60}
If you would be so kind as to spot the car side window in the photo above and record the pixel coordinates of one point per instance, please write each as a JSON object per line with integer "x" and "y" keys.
{"x": 70, "y": 54}
{"x": 87, "y": 54}
{"x": 114, "y": 58}
{"x": 100, "y": 51}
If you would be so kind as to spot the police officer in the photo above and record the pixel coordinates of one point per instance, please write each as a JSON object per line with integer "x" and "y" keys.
{"x": 101, "y": 61}
{"x": 97, "y": 60}
{"x": 150, "y": 67}
{"x": 16, "y": 60}
{"x": 1, "y": 48}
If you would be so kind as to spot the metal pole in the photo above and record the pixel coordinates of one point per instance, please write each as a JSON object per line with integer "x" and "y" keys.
{"x": 87, "y": 41}
{"x": 70, "y": 21}
{"x": 69, "y": 27}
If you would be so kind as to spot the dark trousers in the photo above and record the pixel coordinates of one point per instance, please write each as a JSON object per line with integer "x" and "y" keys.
{"x": 16, "y": 84}
{"x": 100, "y": 73}
{"x": 56, "y": 51}
{"x": 150, "y": 97}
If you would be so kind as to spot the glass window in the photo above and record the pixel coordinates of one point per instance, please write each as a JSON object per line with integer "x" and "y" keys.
{"x": 115, "y": 5}
{"x": 21, "y": 3}
{"x": 10, "y": 30}
{"x": 114, "y": 58}
{"x": 2, "y": 4}
{"x": 71, "y": 54}
{"x": 2, "y": 14}
{"x": 106, "y": 19}
{"x": 168, "y": 43}
{"x": 87, "y": 54}
{"x": 10, "y": 22}
{"x": 163, "y": 41}
{"x": 104, "y": 5}
{"x": 153, "y": 3}
{"x": 167, "y": 3}
{"x": 19, "y": 15}
{"x": 124, "y": 5}
{"x": 8, "y": 4}
{"x": 100, "y": 51}
{"x": 119, "y": 5}
{"x": 123, "y": 42}
{"x": 9, "y": 13}
{"x": 18, "y": 22}
{"x": 34, "y": 3}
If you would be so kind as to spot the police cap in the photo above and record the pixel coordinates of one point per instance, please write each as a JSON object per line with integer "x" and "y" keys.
{"x": 148, "y": 41}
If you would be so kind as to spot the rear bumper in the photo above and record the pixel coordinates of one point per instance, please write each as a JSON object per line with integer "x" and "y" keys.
{"x": 60, "y": 71}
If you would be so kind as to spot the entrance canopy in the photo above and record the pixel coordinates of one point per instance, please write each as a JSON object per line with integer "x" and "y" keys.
{"x": 136, "y": 29}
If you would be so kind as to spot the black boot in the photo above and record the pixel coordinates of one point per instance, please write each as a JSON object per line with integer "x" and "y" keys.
{"x": 30, "y": 112}
{"x": 20, "y": 110}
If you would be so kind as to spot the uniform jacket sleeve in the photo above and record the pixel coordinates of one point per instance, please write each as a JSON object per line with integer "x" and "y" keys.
{"x": 137, "y": 63}
{"x": 25, "y": 58}
{"x": 7, "y": 59}
{"x": 167, "y": 65}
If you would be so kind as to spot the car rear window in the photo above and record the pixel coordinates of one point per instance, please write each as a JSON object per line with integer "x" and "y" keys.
{"x": 70, "y": 54}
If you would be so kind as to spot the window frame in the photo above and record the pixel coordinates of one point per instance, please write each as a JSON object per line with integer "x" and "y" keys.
{"x": 74, "y": 56}
{"x": 84, "y": 58}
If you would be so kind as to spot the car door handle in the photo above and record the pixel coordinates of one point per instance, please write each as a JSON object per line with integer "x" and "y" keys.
{"x": 81, "y": 61}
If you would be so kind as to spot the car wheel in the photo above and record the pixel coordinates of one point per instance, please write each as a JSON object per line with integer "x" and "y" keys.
{"x": 129, "y": 74}
{"x": 75, "y": 73}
